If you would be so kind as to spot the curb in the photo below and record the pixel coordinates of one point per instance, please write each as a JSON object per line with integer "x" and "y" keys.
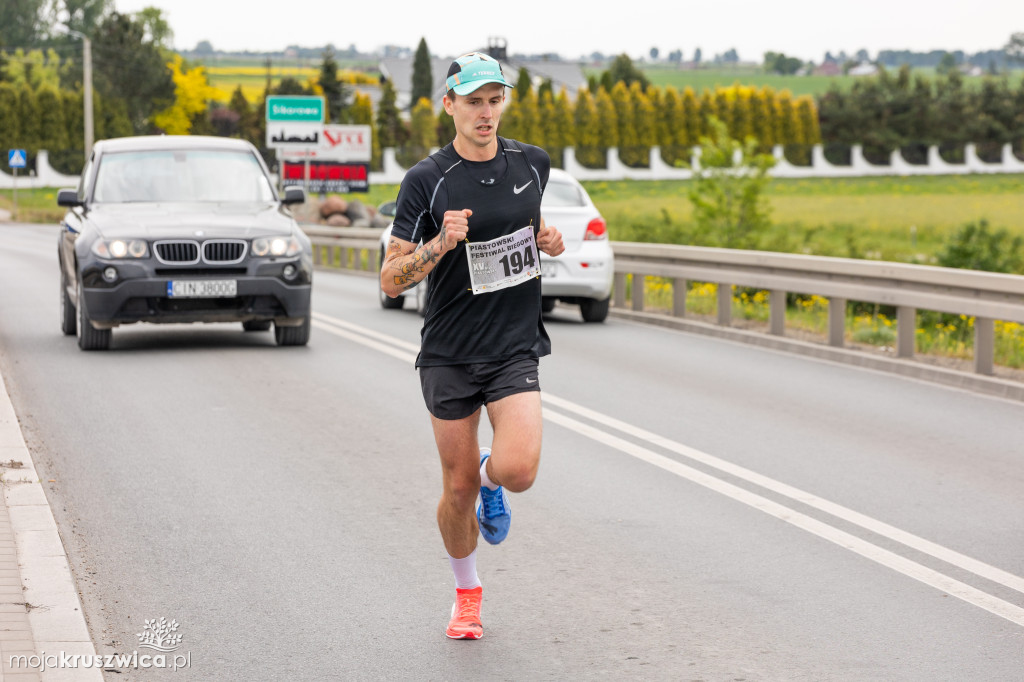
{"x": 55, "y": 620}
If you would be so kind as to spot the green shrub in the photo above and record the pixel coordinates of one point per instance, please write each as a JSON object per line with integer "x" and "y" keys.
{"x": 975, "y": 247}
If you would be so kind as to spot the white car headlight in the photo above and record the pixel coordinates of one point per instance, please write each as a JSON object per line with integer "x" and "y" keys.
{"x": 120, "y": 248}
{"x": 276, "y": 246}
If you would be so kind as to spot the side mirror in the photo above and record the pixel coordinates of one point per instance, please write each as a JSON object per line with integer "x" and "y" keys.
{"x": 69, "y": 198}
{"x": 294, "y": 195}
{"x": 388, "y": 208}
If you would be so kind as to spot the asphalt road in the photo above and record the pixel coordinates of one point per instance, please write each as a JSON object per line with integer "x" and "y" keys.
{"x": 704, "y": 510}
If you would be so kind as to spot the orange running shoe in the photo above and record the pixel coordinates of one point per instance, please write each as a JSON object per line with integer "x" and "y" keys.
{"x": 465, "y": 622}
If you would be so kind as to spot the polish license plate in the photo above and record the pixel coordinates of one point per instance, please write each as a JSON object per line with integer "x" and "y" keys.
{"x": 202, "y": 288}
{"x": 547, "y": 269}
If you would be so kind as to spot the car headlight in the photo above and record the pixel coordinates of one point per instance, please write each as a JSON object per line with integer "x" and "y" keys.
{"x": 120, "y": 248}
{"x": 276, "y": 246}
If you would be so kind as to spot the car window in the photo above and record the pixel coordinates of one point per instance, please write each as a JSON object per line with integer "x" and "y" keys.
{"x": 181, "y": 175}
{"x": 562, "y": 194}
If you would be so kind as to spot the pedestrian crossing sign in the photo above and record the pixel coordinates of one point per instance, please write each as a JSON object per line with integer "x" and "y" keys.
{"x": 16, "y": 158}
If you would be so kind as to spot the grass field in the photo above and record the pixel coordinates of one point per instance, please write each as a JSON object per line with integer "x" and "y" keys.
{"x": 710, "y": 78}
{"x": 900, "y": 219}
{"x": 251, "y": 75}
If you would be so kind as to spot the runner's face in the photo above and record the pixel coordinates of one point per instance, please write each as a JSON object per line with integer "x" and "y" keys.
{"x": 477, "y": 114}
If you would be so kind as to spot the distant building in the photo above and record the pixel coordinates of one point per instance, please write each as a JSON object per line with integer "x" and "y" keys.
{"x": 828, "y": 68}
{"x": 864, "y": 69}
{"x": 563, "y": 74}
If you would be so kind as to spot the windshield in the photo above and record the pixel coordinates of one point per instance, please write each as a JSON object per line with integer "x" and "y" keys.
{"x": 562, "y": 194}
{"x": 181, "y": 175}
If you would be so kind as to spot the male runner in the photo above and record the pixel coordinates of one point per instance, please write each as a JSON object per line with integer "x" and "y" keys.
{"x": 475, "y": 206}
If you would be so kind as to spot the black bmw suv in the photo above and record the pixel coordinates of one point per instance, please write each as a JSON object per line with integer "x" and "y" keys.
{"x": 181, "y": 229}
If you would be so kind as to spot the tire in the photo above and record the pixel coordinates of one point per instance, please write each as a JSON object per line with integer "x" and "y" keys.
{"x": 256, "y": 325}
{"x": 293, "y": 336}
{"x": 595, "y": 310}
{"x": 386, "y": 301}
{"x": 547, "y": 304}
{"x": 89, "y": 338}
{"x": 68, "y": 314}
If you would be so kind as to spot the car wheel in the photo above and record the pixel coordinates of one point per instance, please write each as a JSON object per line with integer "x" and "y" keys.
{"x": 256, "y": 325}
{"x": 292, "y": 336}
{"x": 89, "y": 337}
{"x": 547, "y": 304}
{"x": 68, "y": 314}
{"x": 386, "y": 301}
{"x": 595, "y": 310}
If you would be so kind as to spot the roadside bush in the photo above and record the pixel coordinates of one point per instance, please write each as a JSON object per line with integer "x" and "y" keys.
{"x": 976, "y": 247}
{"x": 729, "y": 208}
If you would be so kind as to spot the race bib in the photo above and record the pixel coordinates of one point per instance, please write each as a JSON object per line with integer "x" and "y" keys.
{"x": 503, "y": 262}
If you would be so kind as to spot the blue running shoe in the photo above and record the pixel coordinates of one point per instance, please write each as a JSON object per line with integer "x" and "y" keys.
{"x": 493, "y": 514}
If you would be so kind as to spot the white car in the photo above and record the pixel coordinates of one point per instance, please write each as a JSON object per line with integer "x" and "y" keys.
{"x": 581, "y": 275}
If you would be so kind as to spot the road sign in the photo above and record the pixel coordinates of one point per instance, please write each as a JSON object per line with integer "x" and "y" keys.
{"x": 295, "y": 109}
{"x": 294, "y": 134}
{"x": 16, "y": 158}
{"x": 345, "y": 143}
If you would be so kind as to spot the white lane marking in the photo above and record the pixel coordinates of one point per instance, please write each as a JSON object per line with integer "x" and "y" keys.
{"x": 882, "y": 556}
{"x": 928, "y": 576}
{"x": 375, "y": 345}
{"x": 950, "y": 556}
{"x": 414, "y": 347}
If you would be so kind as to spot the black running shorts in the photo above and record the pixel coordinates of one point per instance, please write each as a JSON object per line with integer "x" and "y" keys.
{"x": 457, "y": 391}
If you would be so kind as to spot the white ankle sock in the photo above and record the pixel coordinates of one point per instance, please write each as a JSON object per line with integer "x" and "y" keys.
{"x": 485, "y": 480}
{"x": 465, "y": 572}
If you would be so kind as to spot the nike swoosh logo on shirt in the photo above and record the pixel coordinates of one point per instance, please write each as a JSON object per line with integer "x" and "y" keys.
{"x": 530, "y": 381}
{"x": 517, "y": 190}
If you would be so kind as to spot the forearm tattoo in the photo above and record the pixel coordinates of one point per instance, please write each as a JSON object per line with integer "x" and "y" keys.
{"x": 407, "y": 266}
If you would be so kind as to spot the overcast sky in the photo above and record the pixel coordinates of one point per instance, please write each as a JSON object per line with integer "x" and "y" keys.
{"x": 801, "y": 28}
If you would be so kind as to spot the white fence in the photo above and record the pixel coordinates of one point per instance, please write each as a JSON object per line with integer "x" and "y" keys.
{"x": 393, "y": 173}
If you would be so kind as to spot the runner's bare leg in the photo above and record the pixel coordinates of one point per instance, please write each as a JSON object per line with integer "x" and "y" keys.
{"x": 460, "y": 472}
{"x": 515, "y": 451}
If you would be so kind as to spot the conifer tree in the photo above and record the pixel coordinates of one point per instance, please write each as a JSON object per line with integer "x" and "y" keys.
{"x": 645, "y": 123}
{"x": 673, "y": 127}
{"x": 74, "y": 123}
{"x": 445, "y": 128}
{"x": 390, "y": 131}
{"x": 361, "y": 113}
{"x": 607, "y": 124}
{"x": 511, "y": 125}
{"x": 53, "y": 131}
{"x": 422, "y": 78}
{"x": 626, "y": 124}
{"x": 530, "y": 119}
{"x": 564, "y": 132}
{"x": 705, "y": 112}
{"x": 28, "y": 111}
{"x": 10, "y": 131}
{"x": 422, "y": 134}
{"x": 692, "y": 122}
{"x": 588, "y": 131}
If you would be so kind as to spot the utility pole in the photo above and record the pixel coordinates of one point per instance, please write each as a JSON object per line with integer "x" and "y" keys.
{"x": 86, "y": 89}
{"x": 87, "y": 94}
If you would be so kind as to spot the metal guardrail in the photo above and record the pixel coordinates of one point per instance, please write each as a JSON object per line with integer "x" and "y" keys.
{"x": 349, "y": 248}
{"x": 983, "y": 295}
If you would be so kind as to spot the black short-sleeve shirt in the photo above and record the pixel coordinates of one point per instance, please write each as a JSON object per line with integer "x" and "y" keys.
{"x": 504, "y": 195}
